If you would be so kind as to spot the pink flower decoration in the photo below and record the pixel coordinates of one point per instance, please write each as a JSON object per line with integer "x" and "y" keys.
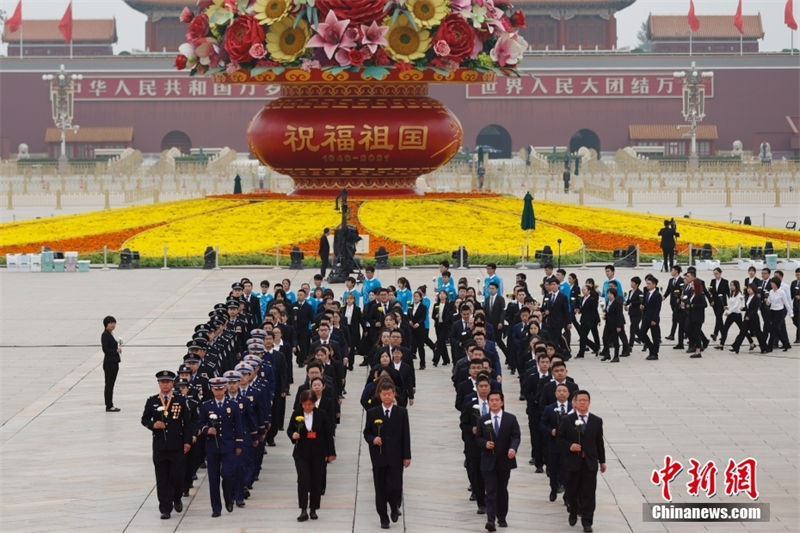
{"x": 330, "y": 35}
{"x": 374, "y": 36}
{"x": 186, "y": 15}
{"x": 441, "y": 48}
{"x": 508, "y": 50}
{"x": 231, "y": 68}
{"x": 258, "y": 51}
{"x": 309, "y": 64}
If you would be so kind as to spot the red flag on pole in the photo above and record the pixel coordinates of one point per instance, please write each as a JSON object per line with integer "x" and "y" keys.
{"x": 15, "y": 21}
{"x": 65, "y": 26}
{"x": 738, "y": 21}
{"x": 788, "y": 17}
{"x": 694, "y": 22}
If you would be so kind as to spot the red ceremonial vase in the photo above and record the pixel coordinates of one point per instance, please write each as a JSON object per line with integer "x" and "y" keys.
{"x": 373, "y": 137}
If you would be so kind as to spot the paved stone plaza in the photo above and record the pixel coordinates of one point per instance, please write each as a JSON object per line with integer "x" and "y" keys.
{"x": 68, "y": 465}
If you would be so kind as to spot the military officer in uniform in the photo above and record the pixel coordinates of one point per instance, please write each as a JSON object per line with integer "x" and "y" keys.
{"x": 250, "y": 429}
{"x": 221, "y": 425}
{"x": 167, "y": 416}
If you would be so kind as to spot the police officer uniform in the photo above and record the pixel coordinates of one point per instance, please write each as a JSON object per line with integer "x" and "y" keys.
{"x": 170, "y": 443}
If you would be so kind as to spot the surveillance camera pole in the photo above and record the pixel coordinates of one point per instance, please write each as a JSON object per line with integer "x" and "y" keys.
{"x": 62, "y": 100}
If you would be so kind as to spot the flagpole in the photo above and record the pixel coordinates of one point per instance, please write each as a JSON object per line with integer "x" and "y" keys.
{"x": 690, "y": 41}
{"x": 741, "y": 46}
{"x": 21, "y": 29}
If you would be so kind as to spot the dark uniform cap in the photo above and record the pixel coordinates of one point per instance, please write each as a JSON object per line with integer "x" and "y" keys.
{"x": 165, "y": 375}
{"x": 183, "y": 369}
{"x": 201, "y": 336}
{"x": 219, "y": 306}
{"x": 201, "y": 327}
{"x": 232, "y": 375}
{"x": 197, "y": 344}
{"x": 218, "y": 383}
{"x": 237, "y": 286}
{"x": 233, "y": 303}
{"x": 181, "y": 382}
{"x": 191, "y": 358}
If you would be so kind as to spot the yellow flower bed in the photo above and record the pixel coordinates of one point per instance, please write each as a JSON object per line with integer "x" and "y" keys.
{"x": 251, "y": 228}
{"x": 630, "y": 223}
{"x": 102, "y": 222}
{"x": 443, "y": 225}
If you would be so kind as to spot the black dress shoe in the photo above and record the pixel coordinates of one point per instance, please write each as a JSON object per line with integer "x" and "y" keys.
{"x": 579, "y": 356}
{"x": 573, "y": 519}
{"x": 384, "y": 525}
{"x": 313, "y": 514}
{"x": 734, "y": 350}
{"x": 113, "y": 410}
{"x": 472, "y": 497}
{"x": 720, "y": 347}
{"x": 229, "y": 507}
{"x": 605, "y": 358}
{"x": 178, "y": 506}
{"x": 695, "y": 356}
{"x": 532, "y": 462}
{"x": 164, "y": 516}
{"x": 481, "y": 509}
{"x": 705, "y": 344}
{"x": 271, "y": 443}
{"x": 395, "y": 514}
{"x": 303, "y": 516}
{"x": 216, "y": 514}
{"x": 240, "y": 504}
{"x": 553, "y": 495}
{"x": 587, "y": 529}
{"x": 678, "y": 347}
{"x": 246, "y": 493}
{"x": 615, "y": 360}
{"x": 502, "y": 523}
{"x": 625, "y": 354}
{"x": 539, "y": 470}
{"x": 651, "y": 357}
{"x": 669, "y": 338}
{"x": 490, "y": 526}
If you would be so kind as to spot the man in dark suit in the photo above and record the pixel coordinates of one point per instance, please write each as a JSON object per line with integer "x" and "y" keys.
{"x": 389, "y": 437}
{"x": 794, "y": 290}
{"x": 302, "y": 315}
{"x": 476, "y": 404}
{"x": 494, "y": 307}
{"x": 651, "y": 317}
{"x": 374, "y": 314}
{"x": 551, "y": 419}
{"x": 498, "y": 437}
{"x": 581, "y": 438}
{"x": 556, "y": 317}
{"x": 720, "y": 292}
{"x": 252, "y": 303}
{"x": 460, "y": 332}
{"x": 324, "y": 251}
{"x": 323, "y": 338}
{"x": 111, "y": 359}
{"x": 673, "y": 293}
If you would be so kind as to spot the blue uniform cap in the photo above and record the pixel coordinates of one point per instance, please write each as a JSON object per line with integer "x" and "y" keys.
{"x": 232, "y": 375}
{"x": 244, "y": 368}
{"x": 218, "y": 383}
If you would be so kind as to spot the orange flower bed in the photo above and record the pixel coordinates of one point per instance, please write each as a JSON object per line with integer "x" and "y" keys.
{"x": 603, "y": 241}
{"x": 86, "y": 244}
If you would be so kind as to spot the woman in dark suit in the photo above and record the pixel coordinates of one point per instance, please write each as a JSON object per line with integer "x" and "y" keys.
{"x": 615, "y": 321}
{"x": 311, "y": 431}
{"x": 590, "y": 318}
{"x": 111, "y": 351}
{"x": 417, "y": 313}
{"x": 697, "y": 315}
{"x": 442, "y": 316}
{"x": 750, "y": 322}
{"x": 352, "y": 319}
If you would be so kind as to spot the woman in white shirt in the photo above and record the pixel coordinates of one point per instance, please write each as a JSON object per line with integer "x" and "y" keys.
{"x": 779, "y": 307}
{"x": 733, "y": 314}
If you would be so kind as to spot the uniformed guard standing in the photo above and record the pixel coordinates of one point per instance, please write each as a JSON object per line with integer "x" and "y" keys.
{"x": 221, "y": 425}
{"x": 168, "y": 417}
{"x": 250, "y": 432}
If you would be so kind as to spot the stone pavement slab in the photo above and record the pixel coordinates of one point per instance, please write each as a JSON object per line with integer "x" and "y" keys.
{"x": 66, "y": 465}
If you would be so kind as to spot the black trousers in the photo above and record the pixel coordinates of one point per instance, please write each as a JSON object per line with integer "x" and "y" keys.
{"x": 796, "y": 319}
{"x": 652, "y": 344}
{"x": 669, "y": 258}
{"x": 538, "y": 444}
{"x": 580, "y": 492}
{"x": 719, "y": 318}
{"x": 310, "y": 473}
{"x": 419, "y": 335}
{"x": 388, "y": 482}
{"x": 584, "y": 331}
{"x": 476, "y": 479}
{"x": 753, "y": 330}
{"x": 110, "y": 369}
{"x": 777, "y": 322}
{"x": 496, "y": 493}
{"x": 733, "y": 318}
{"x": 278, "y": 416}
{"x": 635, "y": 327}
{"x": 440, "y": 351}
{"x": 554, "y": 470}
{"x": 325, "y": 264}
{"x": 169, "y": 466}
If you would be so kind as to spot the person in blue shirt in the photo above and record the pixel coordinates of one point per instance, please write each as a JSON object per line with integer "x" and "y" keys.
{"x": 613, "y": 282}
{"x": 444, "y": 266}
{"x": 445, "y": 283}
{"x": 403, "y": 293}
{"x": 563, "y": 285}
{"x": 287, "y": 290}
{"x": 371, "y": 283}
{"x": 350, "y": 284}
{"x": 491, "y": 276}
{"x": 318, "y": 278}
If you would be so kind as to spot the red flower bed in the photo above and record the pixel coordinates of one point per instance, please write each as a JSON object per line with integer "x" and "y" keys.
{"x": 85, "y": 244}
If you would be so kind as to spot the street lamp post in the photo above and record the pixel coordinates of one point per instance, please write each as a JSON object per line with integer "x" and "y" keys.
{"x": 694, "y": 95}
{"x": 62, "y": 100}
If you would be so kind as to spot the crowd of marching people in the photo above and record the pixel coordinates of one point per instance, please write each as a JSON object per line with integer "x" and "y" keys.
{"x": 227, "y": 403}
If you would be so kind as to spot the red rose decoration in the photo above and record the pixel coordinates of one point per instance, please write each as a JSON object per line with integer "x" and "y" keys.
{"x": 356, "y": 57}
{"x": 518, "y": 19}
{"x": 458, "y": 34}
{"x": 180, "y": 61}
{"x": 198, "y": 28}
{"x": 243, "y": 33}
{"x": 358, "y": 11}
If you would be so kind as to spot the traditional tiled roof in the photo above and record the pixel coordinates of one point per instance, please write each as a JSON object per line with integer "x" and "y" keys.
{"x": 91, "y": 135}
{"x": 711, "y": 27}
{"x": 670, "y": 132}
{"x": 45, "y": 31}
